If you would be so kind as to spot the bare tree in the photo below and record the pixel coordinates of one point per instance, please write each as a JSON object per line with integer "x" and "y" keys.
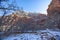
{"x": 5, "y": 7}
{"x": 8, "y": 7}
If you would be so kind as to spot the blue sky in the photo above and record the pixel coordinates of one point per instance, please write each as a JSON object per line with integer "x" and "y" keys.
{"x": 39, "y": 6}
{"x": 34, "y": 5}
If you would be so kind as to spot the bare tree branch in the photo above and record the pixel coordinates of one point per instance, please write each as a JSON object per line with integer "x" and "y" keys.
{"x": 8, "y": 8}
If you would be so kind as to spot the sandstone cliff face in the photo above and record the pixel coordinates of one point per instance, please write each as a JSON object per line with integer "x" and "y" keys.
{"x": 54, "y": 14}
{"x": 53, "y": 8}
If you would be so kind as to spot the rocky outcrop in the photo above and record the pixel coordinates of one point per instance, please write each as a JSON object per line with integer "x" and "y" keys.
{"x": 54, "y": 14}
{"x": 17, "y": 21}
{"x": 53, "y": 8}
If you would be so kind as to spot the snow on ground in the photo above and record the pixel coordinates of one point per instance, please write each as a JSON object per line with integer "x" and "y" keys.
{"x": 24, "y": 36}
{"x": 50, "y": 32}
{"x": 32, "y": 36}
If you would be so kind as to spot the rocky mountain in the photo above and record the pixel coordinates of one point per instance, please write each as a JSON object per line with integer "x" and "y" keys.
{"x": 54, "y": 14}
{"x": 53, "y": 8}
{"x": 19, "y": 21}
{"x": 24, "y": 21}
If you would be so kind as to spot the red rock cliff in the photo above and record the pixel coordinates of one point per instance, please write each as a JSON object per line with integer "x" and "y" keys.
{"x": 53, "y": 7}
